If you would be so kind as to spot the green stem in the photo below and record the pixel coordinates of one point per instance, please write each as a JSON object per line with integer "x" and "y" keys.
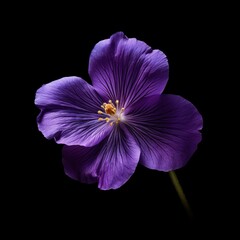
{"x": 180, "y": 192}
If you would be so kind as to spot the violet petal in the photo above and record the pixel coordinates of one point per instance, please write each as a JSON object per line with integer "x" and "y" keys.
{"x": 127, "y": 69}
{"x": 166, "y": 128}
{"x": 69, "y": 109}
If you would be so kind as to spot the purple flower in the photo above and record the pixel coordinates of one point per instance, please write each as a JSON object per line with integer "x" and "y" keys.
{"x": 122, "y": 119}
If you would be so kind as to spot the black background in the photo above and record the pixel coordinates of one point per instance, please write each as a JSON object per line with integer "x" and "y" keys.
{"x": 55, "y": 43}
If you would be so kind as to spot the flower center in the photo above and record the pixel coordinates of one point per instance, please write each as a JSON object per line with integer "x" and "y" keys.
{"x": 113, "y": 113}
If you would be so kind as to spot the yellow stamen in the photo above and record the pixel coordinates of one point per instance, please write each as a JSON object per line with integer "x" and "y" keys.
{"x": 112, "y": 112}
{"x": 110, "y": 109}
